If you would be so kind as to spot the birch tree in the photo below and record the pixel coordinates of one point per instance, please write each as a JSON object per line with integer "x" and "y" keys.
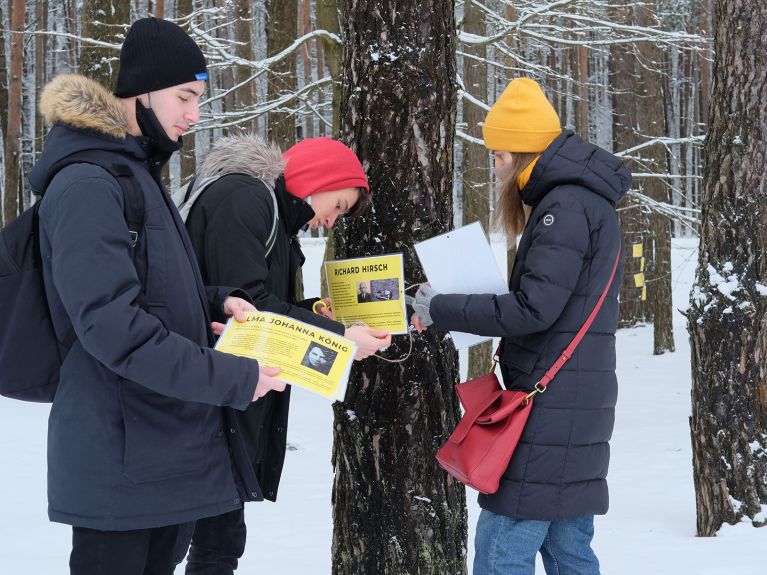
{"x": 12, "y": 132}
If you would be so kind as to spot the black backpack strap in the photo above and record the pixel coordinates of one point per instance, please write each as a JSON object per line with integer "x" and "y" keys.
{"x": 133, "y": 209}
{"x": 189, "y": 189}
{"x": 133, "y": 197}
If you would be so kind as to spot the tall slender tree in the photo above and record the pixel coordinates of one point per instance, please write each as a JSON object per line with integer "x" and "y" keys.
{"x": 728, "y": 312}
{"x": 12, "y": 196}
{"x": 475, "y": 168}
{"x": 281, "y": 32}
{"x": 395, "y": 511}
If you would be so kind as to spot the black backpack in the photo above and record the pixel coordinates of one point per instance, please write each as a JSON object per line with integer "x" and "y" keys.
{"x": 30, "y": 353}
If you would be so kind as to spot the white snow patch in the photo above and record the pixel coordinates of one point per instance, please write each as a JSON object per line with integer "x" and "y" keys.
{"x": 725, "y": 285}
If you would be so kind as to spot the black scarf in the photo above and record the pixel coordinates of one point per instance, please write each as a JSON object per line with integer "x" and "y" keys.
{"x": 151, "y": 128}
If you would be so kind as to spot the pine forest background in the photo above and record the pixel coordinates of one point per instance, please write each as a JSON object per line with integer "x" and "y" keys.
{"x": 631, "y": 77}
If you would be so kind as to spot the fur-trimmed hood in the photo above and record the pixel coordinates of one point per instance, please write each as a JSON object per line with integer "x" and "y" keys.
{"x": 79, "y": 102}
{"x": 83, "y": 116}
{"x": 243, "y": 154}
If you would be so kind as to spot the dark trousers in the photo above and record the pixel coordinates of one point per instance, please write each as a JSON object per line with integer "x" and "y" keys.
{"x": 218, "y": 542}
{"x": 140, "y": 552}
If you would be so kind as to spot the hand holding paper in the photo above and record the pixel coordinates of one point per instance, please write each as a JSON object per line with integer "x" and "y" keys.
{"x": 368, "y": 339}
{"x": 236, "y": 307}
{"x": 267, "y": 382}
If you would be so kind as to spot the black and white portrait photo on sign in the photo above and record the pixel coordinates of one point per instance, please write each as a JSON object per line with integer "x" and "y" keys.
{"x": 363, "y": 292}
{"x": 319, "y": 358}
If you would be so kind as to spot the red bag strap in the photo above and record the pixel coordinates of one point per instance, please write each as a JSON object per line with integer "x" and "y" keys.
{"x": 540, "y": 387}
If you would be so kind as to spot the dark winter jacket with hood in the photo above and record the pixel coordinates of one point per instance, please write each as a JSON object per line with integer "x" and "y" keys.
{"x": 564, "y": 260}
{"x": 135, "y": 440}
{"x": 229, "y": 225}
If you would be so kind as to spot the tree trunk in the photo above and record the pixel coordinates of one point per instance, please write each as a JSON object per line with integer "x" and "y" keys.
{"x": 3, "y": 98}
{"x": 395, "y": 511}
{"x": 188, "y": 155}
{"x": 475, "y": 169}
{"x": 281, "y": 31}
{"x": 306, "y": 60}
{"x": 101, "y": 20}
{"x": 11, "y": 197}
{"x": 634, "y": 221}
{"x": 328, "y": 19}
{"x": 244, "y": 96}
{"x": 728, "y": 331}
{"x": 651, "y": 120}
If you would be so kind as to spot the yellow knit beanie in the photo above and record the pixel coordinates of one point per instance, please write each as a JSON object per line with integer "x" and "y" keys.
{"x": 522, "y": 120}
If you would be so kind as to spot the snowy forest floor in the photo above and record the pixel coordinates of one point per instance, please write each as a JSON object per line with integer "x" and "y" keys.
{"x": 650, "y": 529}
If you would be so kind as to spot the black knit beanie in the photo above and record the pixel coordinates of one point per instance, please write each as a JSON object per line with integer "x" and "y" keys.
{"x": 157, "y": 54}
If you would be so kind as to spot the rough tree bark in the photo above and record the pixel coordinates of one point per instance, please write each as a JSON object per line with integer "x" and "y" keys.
{"x": 281, "y": 31}
{"x": 12, "y": 194}
{"x": 102, "y": 20}
{"x": 475, "y": 168}
{"x": 395, "y": 511}
{"x": 727, "y": 317}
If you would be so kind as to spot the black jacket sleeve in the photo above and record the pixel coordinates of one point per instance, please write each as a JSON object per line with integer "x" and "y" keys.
{"x": 235, "y": 250}
{"x": 552, "y": 268}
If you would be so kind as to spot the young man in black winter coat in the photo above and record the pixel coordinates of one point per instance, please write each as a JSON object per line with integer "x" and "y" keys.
{"x": 136, "y": 448}
{"x": 317, "y": 181}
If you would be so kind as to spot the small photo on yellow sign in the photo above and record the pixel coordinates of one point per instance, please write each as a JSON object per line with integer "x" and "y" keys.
{"x": 636, "y": 250}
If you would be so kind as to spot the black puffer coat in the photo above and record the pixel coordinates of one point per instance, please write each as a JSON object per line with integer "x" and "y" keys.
{"x": 564, "y": 261}
{"x": 229, "y": 225}
{"x": 134, "y": 440}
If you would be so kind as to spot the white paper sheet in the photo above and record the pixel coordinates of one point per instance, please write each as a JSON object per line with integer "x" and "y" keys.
{"x": 461, "y": 261}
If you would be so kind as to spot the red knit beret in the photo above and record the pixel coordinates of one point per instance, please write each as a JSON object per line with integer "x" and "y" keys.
{"x": 322, "y": 165}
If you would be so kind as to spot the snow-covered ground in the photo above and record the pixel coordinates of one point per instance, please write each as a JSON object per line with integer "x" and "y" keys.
{"x": 650, "y": 529}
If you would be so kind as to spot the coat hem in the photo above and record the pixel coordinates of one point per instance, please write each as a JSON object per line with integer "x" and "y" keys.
{"x": 143, "y": 522}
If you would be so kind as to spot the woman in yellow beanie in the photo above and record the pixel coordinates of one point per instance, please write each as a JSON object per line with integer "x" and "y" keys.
{"x": 560, "y": 194}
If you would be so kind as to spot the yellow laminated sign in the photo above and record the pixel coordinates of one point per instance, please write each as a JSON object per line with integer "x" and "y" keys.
{"x": 639, "y": 280}
{"x": 637, "y": 250}
{"x": 308, "y": 356}
{"x": 369, "y": 290}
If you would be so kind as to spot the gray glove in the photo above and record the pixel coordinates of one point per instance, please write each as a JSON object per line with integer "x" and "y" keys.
{"x": 422, "y": 303}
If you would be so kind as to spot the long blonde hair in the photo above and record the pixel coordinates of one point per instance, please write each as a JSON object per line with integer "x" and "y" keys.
{"x": 509, "y": 211}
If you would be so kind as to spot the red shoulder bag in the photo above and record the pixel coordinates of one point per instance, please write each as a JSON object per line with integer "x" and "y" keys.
{"x": 479, "y": 450}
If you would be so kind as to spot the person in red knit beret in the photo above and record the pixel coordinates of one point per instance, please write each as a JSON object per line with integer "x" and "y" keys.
{"x": 243, "y": 228}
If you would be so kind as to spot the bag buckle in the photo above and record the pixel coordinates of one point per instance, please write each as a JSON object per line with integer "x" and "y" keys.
{"x": 536, "y": 390}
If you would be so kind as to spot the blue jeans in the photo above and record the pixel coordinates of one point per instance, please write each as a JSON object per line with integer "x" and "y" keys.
{"x": 507, "y": 546}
